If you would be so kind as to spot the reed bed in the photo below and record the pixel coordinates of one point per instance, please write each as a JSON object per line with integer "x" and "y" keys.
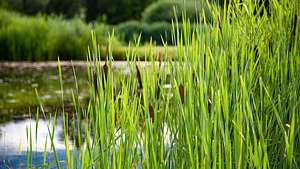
{"x": 232, "y": 99}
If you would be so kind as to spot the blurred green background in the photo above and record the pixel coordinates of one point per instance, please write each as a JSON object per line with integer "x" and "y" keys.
{"x": 46, "y": 29}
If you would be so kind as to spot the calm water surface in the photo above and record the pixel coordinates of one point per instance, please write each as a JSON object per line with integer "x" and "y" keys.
{"x": 18, "y": 103}
{"x": 14, "y": 143}
{"x": 18, "y": 106}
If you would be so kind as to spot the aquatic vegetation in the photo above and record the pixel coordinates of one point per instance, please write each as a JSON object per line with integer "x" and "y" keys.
{"x": 233, "y": 101}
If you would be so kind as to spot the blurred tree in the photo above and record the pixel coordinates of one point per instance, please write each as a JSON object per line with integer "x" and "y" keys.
{"x": 67, "y": 8}
{"x": 28, "y": 6}
{"x": 3, "y": 4}
{"x": 111, "y": 11}
{"x": 115, "y": 10}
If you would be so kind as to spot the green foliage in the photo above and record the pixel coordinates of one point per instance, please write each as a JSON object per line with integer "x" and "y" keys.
{"x": 111, "y": 11}
{"x": 130, "y": 30}
{"x": 103, "y": 35}
{"x": 232, "y": 99}
{"x": 158, "y": 32}
{"x": 28, "y": 6}
{"x": 69, "y": 42}
{"x": 166, "y": 11}
{"x": 6, "y": 17}
{"x": 115, "y": 11}
{"x": 46, "y": 38}
{"x": 23, "y": 37}
{"x": 3, "y": 4}
{"x": 67, "y": 8}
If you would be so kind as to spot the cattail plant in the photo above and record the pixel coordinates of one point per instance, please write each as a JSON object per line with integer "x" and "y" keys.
{"x": 233, "y": 100}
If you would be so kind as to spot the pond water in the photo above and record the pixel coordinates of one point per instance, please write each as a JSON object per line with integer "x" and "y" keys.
{"x": 15, "y": 142}
{"x": 18, "y": 106}
{"x": 18, "y": 102}
{"x": 19, "y": 82}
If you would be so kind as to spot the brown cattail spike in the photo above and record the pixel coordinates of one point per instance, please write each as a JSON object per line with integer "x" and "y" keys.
{"x": 157, "y": 94}
{"x": 160, "y": 59}
{"x": 151, "y": 112}
{"x": 138, "y": 74}
{"x": 209, "y": 105}
{"x": 181, "y": 92}
{"x": 104, "y": 74}
{"x": 95, "y": 81}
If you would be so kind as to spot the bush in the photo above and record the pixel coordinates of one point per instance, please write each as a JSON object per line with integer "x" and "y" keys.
{"x": 115, "y": 11}
{"x": 30, "y": 7}
{"x": 6, "y": 17}
{"x": 46, "y": 38}
{"x": 23, "y": 37}
{"x": 69, "y": 42}
{"x": 67, "y": 8}
{"x": 159, "y": 32}
{"x": 163, "y": 11}
{"x": 102, "y": 33}
{"x": 3, "y": 4}
{"x": 130, "y": 30}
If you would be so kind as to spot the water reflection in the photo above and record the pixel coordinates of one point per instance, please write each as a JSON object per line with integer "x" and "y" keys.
{"x": 14, "y": 135}
{"x": 18, "y": 85}
{"x": 17, "y": 97}
{"x": 19, "y": 81}
{"x": 15, "y": 142}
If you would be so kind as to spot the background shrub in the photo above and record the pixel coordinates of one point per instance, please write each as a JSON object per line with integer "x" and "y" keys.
{"x": 102, "y": 32}
{"x": 165, "y": 11}
{"x": 23, "y": 36}
{"x": 159, "y": 32}
{"x": 115, "y": 11}
{"x": 46, "y": 38}
{"x": 130, "y": 30}
{"x": 67, "y": 8}
{"x": 30, "y": 7}
{"x": 6, "y": 17}
{"x": 66, "y": 42}
{"x": 3, "y": 4}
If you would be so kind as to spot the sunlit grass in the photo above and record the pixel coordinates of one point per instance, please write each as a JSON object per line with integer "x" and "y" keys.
{"x": 233, "y": 101}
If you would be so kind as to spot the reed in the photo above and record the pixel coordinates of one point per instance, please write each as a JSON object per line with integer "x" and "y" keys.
{"x": 233, "y": 101}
